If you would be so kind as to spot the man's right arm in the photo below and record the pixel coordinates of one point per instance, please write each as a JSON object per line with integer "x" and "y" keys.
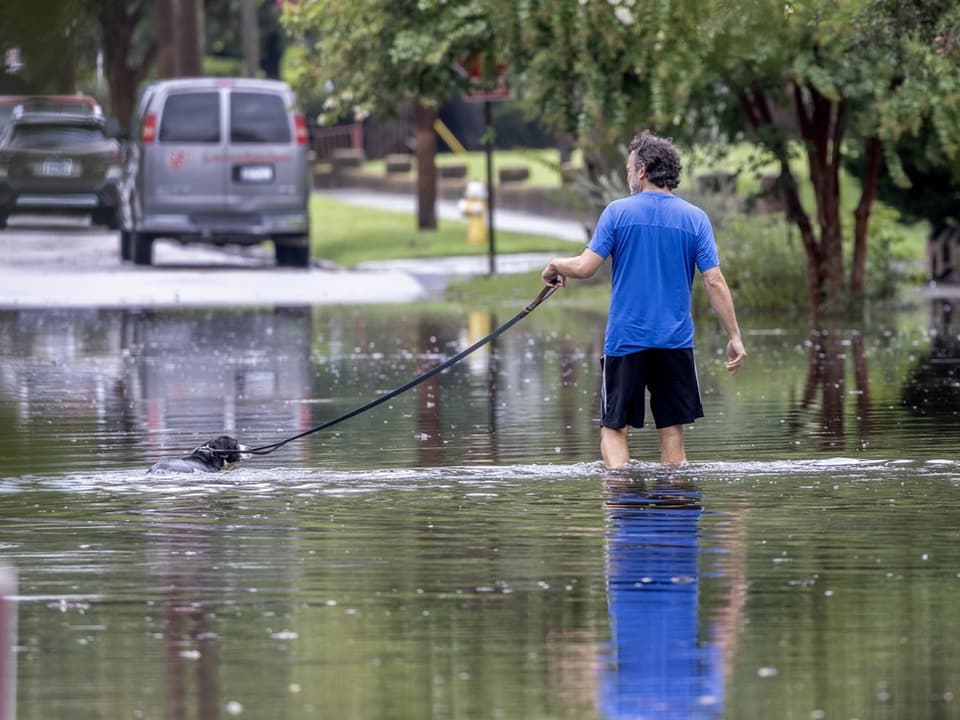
{"x": 580, "y": 266}
{"x": 722, "y": 303}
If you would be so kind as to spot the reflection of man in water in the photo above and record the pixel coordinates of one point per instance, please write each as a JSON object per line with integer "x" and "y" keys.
{"x": 658, "y": 666}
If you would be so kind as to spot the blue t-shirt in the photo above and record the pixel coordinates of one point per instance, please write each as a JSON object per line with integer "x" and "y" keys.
{"x": 655, "y": 240}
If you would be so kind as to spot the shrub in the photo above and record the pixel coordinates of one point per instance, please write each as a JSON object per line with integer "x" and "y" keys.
{"x": 764, "y": 264}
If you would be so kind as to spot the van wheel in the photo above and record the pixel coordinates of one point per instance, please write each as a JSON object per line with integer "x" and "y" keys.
{"x": 142, "y": 248}
{"x": 126, "y": 245}
{"x": 292, "y": 253}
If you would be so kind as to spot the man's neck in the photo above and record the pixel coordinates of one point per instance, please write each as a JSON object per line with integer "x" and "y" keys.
{"x": 658, "y": 190}
{"x": 647, "y": 186}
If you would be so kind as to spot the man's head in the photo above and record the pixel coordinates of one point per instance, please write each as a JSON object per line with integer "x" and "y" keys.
{"x": 652, "y": 159}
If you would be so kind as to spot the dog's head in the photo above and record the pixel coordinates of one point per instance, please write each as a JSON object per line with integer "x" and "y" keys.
{"x": 223, "y": 450}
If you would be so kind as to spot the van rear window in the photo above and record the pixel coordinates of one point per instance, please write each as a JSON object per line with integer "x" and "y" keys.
{"x": 258, "y": 118}
{"x": 191, "y": 118}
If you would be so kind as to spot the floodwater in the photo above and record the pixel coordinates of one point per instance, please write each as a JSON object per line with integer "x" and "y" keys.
{"x": 458, "y": 552}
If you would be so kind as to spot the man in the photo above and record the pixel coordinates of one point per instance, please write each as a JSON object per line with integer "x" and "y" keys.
{"x": 655, "y": 240}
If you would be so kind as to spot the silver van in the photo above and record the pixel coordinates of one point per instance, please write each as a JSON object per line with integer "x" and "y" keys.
{"x": 217, "y": 160}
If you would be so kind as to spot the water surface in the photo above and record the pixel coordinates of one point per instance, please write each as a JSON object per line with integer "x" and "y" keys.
{"x": 458, "y": 552}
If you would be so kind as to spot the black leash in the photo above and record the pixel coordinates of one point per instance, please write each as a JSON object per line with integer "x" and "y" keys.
{"x": 544, "y": 294}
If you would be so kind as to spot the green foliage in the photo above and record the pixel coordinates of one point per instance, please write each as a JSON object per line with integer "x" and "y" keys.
{"x": 374, "y": 55}
{"x": 222, "y": 66}
{"x": 35, "y": 29}
{"x": 829, "y": 75}
{"x": 896, "y": 256}
{"x": 762, "y": 260}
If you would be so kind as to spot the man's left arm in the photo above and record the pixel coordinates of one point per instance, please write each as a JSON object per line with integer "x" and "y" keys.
{"x": 722, "y": 303}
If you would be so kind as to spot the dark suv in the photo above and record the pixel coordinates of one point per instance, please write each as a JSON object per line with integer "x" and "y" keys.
{"x": 217, "y": 160}
{"x": 59, "y": 162}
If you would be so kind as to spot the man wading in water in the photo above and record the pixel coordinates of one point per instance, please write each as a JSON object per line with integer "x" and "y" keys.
{"x": 655, "y": 240}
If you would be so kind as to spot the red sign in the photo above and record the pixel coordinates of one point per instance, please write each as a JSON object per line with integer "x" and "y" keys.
{"x": 484, "y": 86}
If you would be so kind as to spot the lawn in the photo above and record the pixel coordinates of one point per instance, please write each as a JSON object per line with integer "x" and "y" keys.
{"x": 348, "y": 235}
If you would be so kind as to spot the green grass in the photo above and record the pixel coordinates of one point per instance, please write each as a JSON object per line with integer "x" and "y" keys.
{"x": 515, "y": 291}
{"x": 348, "y": 235}
{"x": 544, "y": 165}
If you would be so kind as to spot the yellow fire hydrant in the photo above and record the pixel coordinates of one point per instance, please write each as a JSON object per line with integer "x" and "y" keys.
{"x": 473, "y": 205}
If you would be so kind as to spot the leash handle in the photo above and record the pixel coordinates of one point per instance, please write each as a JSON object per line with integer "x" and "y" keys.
{"x": 546, "y": 292}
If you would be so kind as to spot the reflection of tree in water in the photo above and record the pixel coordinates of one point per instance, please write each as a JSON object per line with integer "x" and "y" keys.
{"x": 820, "y": 410}
{"x": 932, "y": 387}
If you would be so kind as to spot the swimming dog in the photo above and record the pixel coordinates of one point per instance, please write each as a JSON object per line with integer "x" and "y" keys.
{"x": 210, "y": 457}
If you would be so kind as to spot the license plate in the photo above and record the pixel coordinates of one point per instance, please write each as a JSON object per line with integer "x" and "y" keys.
{"x": 57, "y": 168}
{"x": 254, "y": 173}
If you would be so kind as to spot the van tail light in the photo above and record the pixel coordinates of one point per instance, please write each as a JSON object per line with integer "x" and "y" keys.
{"x": 300, "y": 125}
{"x": 149, "y": 129}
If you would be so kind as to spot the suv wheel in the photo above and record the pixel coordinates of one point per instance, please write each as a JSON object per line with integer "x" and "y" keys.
{"x": 142, "y": 248}
{"x": 292, "y": 252}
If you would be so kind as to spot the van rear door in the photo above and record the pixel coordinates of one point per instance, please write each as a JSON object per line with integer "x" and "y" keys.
{"x": 267, "y": 164}
{"x": 186, "y": 164}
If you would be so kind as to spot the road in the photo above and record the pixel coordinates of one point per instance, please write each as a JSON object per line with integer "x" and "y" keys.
{"x": 63, "y": 262}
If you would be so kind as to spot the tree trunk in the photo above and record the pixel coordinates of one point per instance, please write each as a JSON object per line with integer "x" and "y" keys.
{"x": 251, "y": 37}
{"x": 190, "y": 39}
{"x": 117, "y": 27}
{"x": 426, "y": 150}
{"x": 163, "y": 25}
{"x": 821, "y": 123}
{"x": 756, "y": 107}
{"x": 868, "y": 194}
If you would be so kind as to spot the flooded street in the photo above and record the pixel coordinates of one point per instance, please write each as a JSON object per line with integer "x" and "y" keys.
{"x": 458, "y": 552}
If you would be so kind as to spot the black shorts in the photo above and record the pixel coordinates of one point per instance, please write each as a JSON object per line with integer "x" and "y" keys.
{"x": 669, "y": 375}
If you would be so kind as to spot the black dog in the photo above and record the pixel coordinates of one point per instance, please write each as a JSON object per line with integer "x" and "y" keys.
{"x": 210, "y": 457}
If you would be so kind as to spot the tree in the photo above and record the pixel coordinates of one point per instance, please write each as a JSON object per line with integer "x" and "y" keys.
{"x": 78, "y": 29}
{"x": 226, "y": 37}
{"x": 925, "y": 182}
{"x": 832, "y": 79}
{"x": 129, "y": 51}
{"x": 50, "y": 35}
{"x": 377, "y": 55}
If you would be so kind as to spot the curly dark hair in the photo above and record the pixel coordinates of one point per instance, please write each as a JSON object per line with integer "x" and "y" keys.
{"x": 659, "y": 157}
